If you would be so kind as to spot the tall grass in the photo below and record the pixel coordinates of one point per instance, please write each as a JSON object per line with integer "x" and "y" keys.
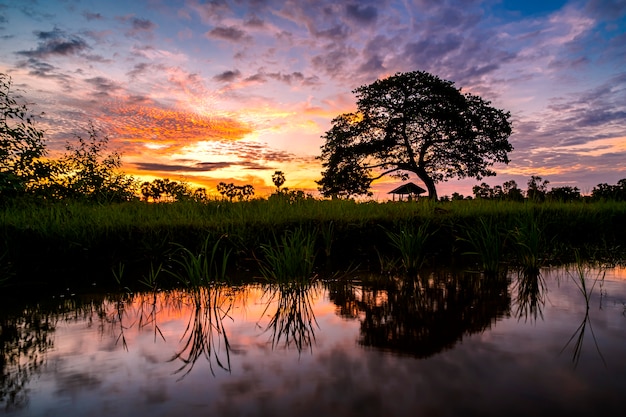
{"x": 410, "y": 242}
{"x": 56, "y": 238}
{"x": 487, "y": 242}
{"x": 528, "y": 239}
{"x": 207, "y": 266}
{"x": 290, "y": 257}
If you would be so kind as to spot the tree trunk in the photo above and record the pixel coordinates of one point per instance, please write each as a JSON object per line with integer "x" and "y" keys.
{"x": 430, "y": 184}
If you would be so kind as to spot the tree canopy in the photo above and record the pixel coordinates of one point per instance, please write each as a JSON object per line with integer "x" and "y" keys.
{"x": 416, "y": 123}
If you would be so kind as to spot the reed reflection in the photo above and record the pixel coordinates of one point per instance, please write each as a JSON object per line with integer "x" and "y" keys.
{"x": 205, "y": 335}
{"x": 425, "y": 314}
{"x": 531, "y": 295}
{"x": 581, "y": 275}
{"x": 293, "y": 323}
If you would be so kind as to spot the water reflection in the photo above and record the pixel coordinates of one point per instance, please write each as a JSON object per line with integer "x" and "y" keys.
{"x": 24, "y": 341}
{"x": 205, "y": 335}
{"x": 581, "y": 275}
{"x": 424, "y": 315}
{"x": 153, "y": 353}
{"x": 26, "y": 337}
{"x": 293, "y": 322}
{"x": 530, "y": 297}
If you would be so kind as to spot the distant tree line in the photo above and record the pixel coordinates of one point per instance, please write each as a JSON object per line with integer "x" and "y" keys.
{"x": 537, "y": 190}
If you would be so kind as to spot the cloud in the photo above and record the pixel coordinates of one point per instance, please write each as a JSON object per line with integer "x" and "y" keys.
{"x": 103, "y": 86}
{"x": 606, "y": 9}
{"x": 142, "y": 24}
{"x": 139, "y": 69}
{"x": 171, "y": 127}
{"x": 38, "y": 68}
{"x": 138, "y": 26}
{"x": 56, "y": 42}
{"x": 212, "y": 11}
{"x": 230, "y": 33}
{"x": 198, "y": 167}
{"x": 228, "y": 76}
{"x": 362, "y": 14}
{"x": 576, "y": 119}
{"x": 90, "y": 16}
{"x": 255, "y": 23}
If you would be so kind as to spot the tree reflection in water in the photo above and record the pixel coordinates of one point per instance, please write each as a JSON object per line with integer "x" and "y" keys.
{"x": 424, "y": 315}
{"x": 26, "y": 336}
{"x": 24, "y": 341}
{"x": 293, "y": 322}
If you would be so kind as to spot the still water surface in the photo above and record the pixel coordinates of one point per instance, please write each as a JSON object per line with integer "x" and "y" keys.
{"x": 443, "y": 345}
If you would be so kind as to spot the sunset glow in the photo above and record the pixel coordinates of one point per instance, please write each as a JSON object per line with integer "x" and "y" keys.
{"x": 235, "y": 90}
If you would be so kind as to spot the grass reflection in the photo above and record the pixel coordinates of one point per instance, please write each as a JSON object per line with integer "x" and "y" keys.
{"x": 293, "y": 323}
{"x": 581, "y": 276}
{"x": 205, "y": 335}
{"x": 531, "y": 294}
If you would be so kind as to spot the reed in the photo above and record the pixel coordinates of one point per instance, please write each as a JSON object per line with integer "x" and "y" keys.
{"x": 411, "y": 242}
{"x": 151, "y": 279}
{"x": 528, "y": 238}
{"x": 327, "y": 233}
{"x": 487, "y": 243}
{"x": 290, "y": 257}
{"x": 205, "y": 267}
{"x": 580, "y": 276}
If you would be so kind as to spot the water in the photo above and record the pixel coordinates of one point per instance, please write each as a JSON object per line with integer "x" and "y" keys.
{"x": 445, "y": 345}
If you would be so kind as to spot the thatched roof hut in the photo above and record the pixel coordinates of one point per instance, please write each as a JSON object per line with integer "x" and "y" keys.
{"x": 409, "y": 189}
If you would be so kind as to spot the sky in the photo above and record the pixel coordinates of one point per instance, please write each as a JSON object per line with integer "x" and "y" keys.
{"x": 233, "y": 90}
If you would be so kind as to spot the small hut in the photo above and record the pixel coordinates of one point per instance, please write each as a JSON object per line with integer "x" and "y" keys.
{"x": 409, "y": 189}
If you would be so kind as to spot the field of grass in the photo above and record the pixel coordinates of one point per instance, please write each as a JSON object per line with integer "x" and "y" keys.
{"x": 41, "y": 242}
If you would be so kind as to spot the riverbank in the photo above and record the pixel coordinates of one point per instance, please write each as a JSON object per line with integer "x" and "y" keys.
{"x": 49, "y": 241}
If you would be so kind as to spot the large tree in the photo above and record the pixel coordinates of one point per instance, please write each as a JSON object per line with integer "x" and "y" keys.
{"x": 417, "y": 123}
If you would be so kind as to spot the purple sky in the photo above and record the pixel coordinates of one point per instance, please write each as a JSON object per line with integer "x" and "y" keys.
{"x": 234, "y": 90}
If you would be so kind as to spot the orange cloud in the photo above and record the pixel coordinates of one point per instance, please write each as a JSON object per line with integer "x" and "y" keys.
{"x": 173, "y": 128}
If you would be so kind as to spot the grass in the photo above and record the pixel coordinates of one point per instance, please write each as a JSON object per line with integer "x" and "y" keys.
{"x": 207, "y": 266}
{"x": 528, "y": 238}
{"x": 410, "y": 241}
{"x": 487, "y": 242}
{"x": 57, "y": 240}
{"x": 290, "y": 257}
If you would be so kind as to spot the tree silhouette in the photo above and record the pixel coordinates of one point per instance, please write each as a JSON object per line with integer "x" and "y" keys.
{"x": 21, "y": 145}
{"x": 278, "y": 179}
{"x": 230, "y": 190}
{"x": 414, "y": 123}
